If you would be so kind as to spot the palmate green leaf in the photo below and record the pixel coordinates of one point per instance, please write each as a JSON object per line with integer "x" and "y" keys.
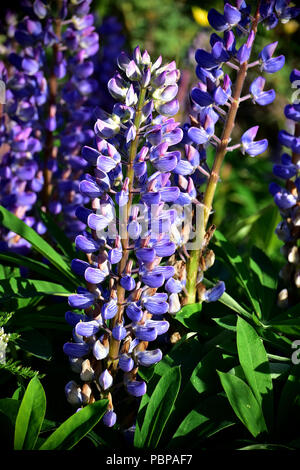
{"x": 209, "y": 416}
{"x": 8, "y": 412}
{"x": 13, "y": 223}
{"x": 203, "y": 381}
{"x": 225, "y": 340}
{"x": 243, "y": 403}
{"x": 28, "y": 288}
{"x": 158, "y": 410}
{"x": 184, "y": 353}
{"x": 265, "y": 280}
{"x": 42, "y": 317}
{"x": 259, "y": 228}
{"x": 286, "y": 411}
{"x": 18, "y": 393}
{"x": 190, "y": 315}
{"x": 62, "y": 241}
{"x": 32, "y": 341}
{"x": 235, "y": 262}
{"x": 204, "y": 377}
{"x": 277, "y": 371}
{"x": 287, "y": 322}
{"x": 266, "y": 447}
{"x": 8, "y": 271}
{"x": 31, "y": 264}
{"x": 275, "y": 339}
{"x": 71, "y": 431}
{"x": 228, "y": 322}
{"x": 30, "y": 416}
{"x": 109, "y": 438}
{"x": 254, "y": 361}
{"x": 289, "y": 327}
{"x": 10, "y": 407}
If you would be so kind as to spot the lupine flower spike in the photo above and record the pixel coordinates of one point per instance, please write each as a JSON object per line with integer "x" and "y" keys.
{"x": 286, "y": 197}
{"x": 127, "y": 239}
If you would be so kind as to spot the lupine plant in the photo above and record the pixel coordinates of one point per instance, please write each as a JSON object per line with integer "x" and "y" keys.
{"x": 152, "y": 327}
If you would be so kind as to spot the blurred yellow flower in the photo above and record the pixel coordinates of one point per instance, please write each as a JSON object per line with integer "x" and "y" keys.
{"x": 291, "y": 27}
{"x": 200, "y": 16}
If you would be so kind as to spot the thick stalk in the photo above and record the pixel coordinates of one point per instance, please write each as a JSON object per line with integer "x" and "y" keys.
{"x": 296, "y": 156}
{"x": 114, "y": 344}
{"x": 50, "y": 150}
{"x": 194, "y": 259}
{"x": 193, "y": 262}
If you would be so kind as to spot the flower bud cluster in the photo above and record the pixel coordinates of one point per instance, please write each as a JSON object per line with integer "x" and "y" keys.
{"x": 287, "y": 196}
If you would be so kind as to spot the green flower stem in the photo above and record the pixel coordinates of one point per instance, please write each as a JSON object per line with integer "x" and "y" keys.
{"x": 114, "y": 344}
{"x": 194, "y": 259}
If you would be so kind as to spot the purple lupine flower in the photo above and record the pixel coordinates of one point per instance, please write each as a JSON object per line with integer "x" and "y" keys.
{"x": 99, "y": 350}
{"x": 148, "y": 358}
{"x": 289, "y": 140}
{"x": 105, "y": 380}
{"x": 126, "y": 363}
{"x": 173, "y": 286}
{"x": 73, "y": 393}
{"x": 76, "y": 349}
{"x": 119, "y": 332}
{"x": 250, "y": 146}
{"x": 110, "y": 418}
{"x": 282, "y": 198}
{"x": 214, "y": 294}
{"x": 137, "y": 388}
{"x": 259, "y": 96}
{"x": 87, "y": 328}
{"x": 271, "y": 64}
{"x": 287, "y": 169}
{"x": 134, "y": 312}
{"x": 83, "y": 299}
{"x": 201, "y": 135}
